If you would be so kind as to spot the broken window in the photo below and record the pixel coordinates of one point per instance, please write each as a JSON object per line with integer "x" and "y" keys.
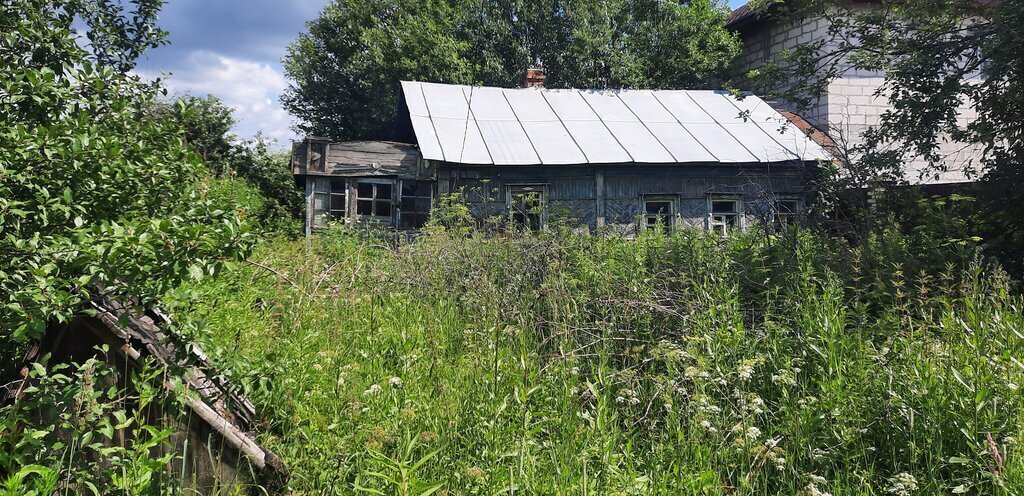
{"x": 321, "y": 201}
{"x": 414, "y": 210}
{"x": 725, "y": 214}
{"x": 526, "y": 205}
{"x": 374, "y": 200}
{"x": 785, "y": 212}
{"x": 339, "y": 198}
{"x": 659, "y": 212}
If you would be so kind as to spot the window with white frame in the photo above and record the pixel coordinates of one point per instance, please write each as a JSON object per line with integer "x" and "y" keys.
{"x": 526, "y": 204}
{"x": 374, "y": 199}
{"x": 785, "y": 211}
{"x": 659, "y": 212}
{"x": 725, "y": 214}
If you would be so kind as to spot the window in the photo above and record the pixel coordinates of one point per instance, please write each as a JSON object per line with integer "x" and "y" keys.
{"x": 526, "y": 206}
{"x": 415, "y": 207}
{"x": 321, "y": 201}
{"x": 785, "y": 212}
{"x": 373, "y": 200}
{"x": 339, "y": 198}
{"x": 726, "y": 214}
{"x": 659, "y": 212}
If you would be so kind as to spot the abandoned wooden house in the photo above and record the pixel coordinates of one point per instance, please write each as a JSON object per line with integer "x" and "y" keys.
{"x": 213, "y": 438}
{"x": 624, "y": 159}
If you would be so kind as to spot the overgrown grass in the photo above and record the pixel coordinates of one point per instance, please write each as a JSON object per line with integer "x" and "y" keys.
{"x": 582, "y": 364}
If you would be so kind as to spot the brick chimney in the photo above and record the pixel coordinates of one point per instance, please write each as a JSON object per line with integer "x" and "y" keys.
{"x": 534, "y": 77}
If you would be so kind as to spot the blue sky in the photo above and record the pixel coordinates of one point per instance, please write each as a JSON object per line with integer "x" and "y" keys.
{"x": 233, "y": 49}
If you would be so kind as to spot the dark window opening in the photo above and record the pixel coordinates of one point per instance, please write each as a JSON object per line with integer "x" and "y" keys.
{"x": 339, "y": 198}
{"x": 374, "y": 200}
{"x": 659, "y": 214}
{"x": 526, "y": 207}
{"x": 414, "y": 210}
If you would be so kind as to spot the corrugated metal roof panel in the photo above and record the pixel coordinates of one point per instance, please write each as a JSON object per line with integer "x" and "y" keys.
{"x": 780, "y": 128}
{"x": 461, "y": 141}
{"x": 680, "y": 143}
{"x": 553, "y": 143}
{"x": 682, "y": 107}
{"x": 608, "y": 107}
{"x": 414, "y": 99}
{"x": 719, "y": 142}
{"x": 445, "y": 101}
{"x": 508, "y": 144}
{"x": 570, "y": 105}
{"x": 639, "y": 142}
{"x": 481, "y": 125}
{"x": 530, "y": 106}
{"x": 647, "y": 108}
{"x": 424, "y": 129}
{"x": 597, "y": 142}
{"x": 489, "y": 104}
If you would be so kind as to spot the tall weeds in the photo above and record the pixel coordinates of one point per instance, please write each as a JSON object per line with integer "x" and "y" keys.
{"x": 567, "y": 363}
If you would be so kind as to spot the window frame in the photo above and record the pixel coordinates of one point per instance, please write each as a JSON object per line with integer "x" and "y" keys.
{"x": 723, "y": 227}
{"x": 374, "y": 199}
{"x": 670, "y": 217}
{"x": 332, "y": 193}
{"x": 790, "y": 216}
{"x": 414, "y": 212}
{"x": 511, "y": 190}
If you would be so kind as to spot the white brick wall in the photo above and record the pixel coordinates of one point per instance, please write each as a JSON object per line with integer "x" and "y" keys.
{"x": 849, "y": 104}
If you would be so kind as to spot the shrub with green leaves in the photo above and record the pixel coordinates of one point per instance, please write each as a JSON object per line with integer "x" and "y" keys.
{"x": 91, "y": 191}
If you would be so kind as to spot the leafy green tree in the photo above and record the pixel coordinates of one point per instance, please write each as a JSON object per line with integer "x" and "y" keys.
{"x": 937, "y": 57}
{"x": 346, "y": 69}
{"x": 206, "y": 127}
{"x": 206, "y": 122}
{"x": 270, "y": 173}
{"x": 93, "y": 193}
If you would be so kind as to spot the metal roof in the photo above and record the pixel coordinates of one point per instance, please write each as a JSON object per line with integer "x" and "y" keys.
{"x": 534, "y": 126}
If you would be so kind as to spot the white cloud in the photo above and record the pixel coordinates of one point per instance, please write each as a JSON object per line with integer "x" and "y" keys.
{"x": 252, "y": 89}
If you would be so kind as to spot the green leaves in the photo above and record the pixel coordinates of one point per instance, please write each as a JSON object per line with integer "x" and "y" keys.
{"x": 346, "y": 69}
{"x": 94, "y": 188}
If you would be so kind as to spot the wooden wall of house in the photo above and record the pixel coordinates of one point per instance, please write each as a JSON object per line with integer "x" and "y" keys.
{"x": 612, "y": 195}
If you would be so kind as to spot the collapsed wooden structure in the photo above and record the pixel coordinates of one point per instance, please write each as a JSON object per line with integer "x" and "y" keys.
{"x": 216, "y": 441}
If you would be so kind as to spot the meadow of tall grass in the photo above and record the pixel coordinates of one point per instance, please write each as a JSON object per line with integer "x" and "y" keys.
{"x": 560, "y": 363}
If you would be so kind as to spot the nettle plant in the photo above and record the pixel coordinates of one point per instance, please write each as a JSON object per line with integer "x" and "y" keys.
{"x": 85, "y": 428}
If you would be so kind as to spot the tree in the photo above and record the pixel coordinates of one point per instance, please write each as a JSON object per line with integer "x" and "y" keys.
{"x": 938, "y": 56}
{"x": 206, "y": 122}
{"x": 270, "y": 173}
{"x": 92, "y": 192}
{"x": 346, "y": 69}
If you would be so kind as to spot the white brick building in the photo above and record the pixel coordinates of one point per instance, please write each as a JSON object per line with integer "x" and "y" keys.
{"x": 848, "y": 106}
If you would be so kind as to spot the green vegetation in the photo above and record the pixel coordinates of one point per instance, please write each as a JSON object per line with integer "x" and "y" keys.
{"x": 461, "y": 363}
{"x": 347, "y": 67}
{"x": 68, "y": 432}
{"x": 91, "y": 191}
